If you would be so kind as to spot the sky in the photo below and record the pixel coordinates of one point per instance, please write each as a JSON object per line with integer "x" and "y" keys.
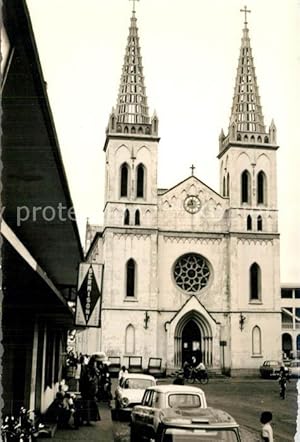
{"x": 190, "y": 54}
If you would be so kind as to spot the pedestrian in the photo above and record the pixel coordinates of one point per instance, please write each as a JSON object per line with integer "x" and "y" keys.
{"x": 266, "y": 430}
{"x": 88, "y": 389}
{"x": 283, "y": 378}
{"x": 122, "y": 373}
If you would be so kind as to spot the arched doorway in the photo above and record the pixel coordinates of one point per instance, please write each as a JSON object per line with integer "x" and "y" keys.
{"x": 287, "y": 345}
{"x": 191, "y": 342}
{"x": 193, "y": 336}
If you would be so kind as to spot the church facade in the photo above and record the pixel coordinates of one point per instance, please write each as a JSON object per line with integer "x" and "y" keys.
{"x": 189, "y": 271}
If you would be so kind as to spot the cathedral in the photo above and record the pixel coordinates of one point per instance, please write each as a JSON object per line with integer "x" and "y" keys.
{"x": 189, "y": 271}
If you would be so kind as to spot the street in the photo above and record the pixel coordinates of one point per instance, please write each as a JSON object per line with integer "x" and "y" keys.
{"x": 244, "y": 399}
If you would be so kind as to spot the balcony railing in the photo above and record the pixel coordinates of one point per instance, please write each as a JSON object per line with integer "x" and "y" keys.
{"x": 288, "y": 325}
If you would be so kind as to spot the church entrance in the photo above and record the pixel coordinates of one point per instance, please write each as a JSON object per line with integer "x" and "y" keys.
{"x": 193, "y": 337}
{"x": 191, "y": 342}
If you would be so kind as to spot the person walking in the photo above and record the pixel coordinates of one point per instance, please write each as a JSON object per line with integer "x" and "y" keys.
{"x": 123, "y": 372}
{"x": 88, "y": 388}
{"x": 266, "y": 430}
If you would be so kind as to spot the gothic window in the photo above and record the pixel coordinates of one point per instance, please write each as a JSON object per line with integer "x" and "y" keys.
{"x": 245, "y": 187}
{"x": 259, "y": 139}
{"x": 140, "y": 182}
{"x": 255, "y": 282}
{"x": 130, "y": 339}
{"x": 126, "y": 130}
{"x": 266, "y": 139}
{"x": 224, "y": 187}
{"x": 137, "y": 220}
{"x": 261, "y": 188}
{"x": 191, "y": 272}
{"x": 239, "y": 138}
{"x": 256, "y": 341}
{"x": 249, "y": 222}
{"x": 133, "y": 130}
{"x": 227, "y": 193}
{"x": 126, "y": 217}
{"x": 259, "y": 223}
{"x": 124, "y": 180}
{"x": 130, "y": 278}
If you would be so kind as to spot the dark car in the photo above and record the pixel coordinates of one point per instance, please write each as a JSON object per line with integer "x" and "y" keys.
{"x": 202, "y": 424}
{"x": 270, "y": 369}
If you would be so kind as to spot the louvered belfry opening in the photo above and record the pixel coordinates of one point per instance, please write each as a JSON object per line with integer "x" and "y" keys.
{"x": 132, "y": 105}
{"x": 246, "y": 110}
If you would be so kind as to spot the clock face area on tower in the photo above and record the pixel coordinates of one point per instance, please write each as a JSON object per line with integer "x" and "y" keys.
{"x": 192, "y": 204}
{"x": 191, "y": 273}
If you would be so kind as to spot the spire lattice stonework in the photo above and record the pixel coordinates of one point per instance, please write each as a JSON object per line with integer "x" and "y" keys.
{"x": 246, "y": 111}
{"x": 246, "y": 123}
{"x": 132, "y": 100}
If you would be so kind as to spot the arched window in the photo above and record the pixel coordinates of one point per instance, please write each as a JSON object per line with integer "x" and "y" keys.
{"x": 130, "y": 278}
{"x": 124, "y": 180}
{"x": 249, "y": 222}
{"x": 245, "y": 187}
{"x": 130, "y": 339}
{"x": 259, "y": 223}
{"x": 261, "y": 188}
{"x": 224, "y": 186}
{"x": 126, "y": 217}
{"x": 266, "y": 139}
{"x": 227, "y": 184}
{"x": 140, "y": 181}
{"x": 255, "y": 282}
{"x": 256, "y": 341}
{"x": 239, "y": 138}
{"x": 137, "y": 220}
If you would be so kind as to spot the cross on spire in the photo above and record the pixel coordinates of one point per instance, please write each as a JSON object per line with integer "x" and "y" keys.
{"x": 192, "y": 169}
{"x": 133, "y": 1}
{"x": 245, "y": 10}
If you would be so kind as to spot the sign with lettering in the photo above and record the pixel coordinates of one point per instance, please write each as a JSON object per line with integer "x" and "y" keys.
{"x": 89, "y": 291}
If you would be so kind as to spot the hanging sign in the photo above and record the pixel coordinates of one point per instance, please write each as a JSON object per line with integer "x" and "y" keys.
{"x": 89, "y": 290}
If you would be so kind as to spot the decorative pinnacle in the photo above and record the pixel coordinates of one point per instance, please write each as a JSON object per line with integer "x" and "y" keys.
{"x": 245, "y": 10}
{"x": 133, "y": 1}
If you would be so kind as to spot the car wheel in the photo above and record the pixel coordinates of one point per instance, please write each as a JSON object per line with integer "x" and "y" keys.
{"x": 115, "y": 414}
{"x": 133, "y": 434}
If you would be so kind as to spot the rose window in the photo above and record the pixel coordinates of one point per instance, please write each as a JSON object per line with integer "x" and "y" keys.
{"x": 191, "y": 273}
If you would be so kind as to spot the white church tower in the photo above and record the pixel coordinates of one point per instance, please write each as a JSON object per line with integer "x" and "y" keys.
{"x": 248, "y": 178}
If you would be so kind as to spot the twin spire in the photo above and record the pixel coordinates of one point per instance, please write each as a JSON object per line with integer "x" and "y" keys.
{"x": 132, "y": 112}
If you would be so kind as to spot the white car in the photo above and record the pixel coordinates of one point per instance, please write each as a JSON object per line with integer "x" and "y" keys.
{"x": 130, "y": 392}
{"x": 294, "y": 368}
{"x": 158, "y": 402}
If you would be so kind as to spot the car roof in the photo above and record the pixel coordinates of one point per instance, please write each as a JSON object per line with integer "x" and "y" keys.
{"x": 139, "y": 376}
{"x": 208, "y": 416}
{"x": 173, "y": 388}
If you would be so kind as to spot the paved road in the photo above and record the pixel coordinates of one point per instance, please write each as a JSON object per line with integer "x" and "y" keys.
{"x": 244, "y": 399}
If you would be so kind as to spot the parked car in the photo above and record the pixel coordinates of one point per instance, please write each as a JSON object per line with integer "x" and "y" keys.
{"x": 130, "y": 392}
{"x": 153, "y": 413}
{"x": 270, "y": 369}
{"x": 294, "y": 368}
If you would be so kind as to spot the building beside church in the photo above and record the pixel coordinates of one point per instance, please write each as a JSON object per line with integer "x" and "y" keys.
{"x": 189, "y": 271}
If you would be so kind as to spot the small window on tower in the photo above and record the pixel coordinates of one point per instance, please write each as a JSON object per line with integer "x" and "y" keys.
{"x": 259, "y": 223}
{"x": 126, "y": 217}
{"x": 140, "y": 181}
{"x": 249, "y": 222}
{"x": 255, "y": 282}
{"x": 137, "y": 220}
{"x": 124, "y": 180}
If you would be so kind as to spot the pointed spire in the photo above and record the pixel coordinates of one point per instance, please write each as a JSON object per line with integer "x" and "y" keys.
{"x": 132, "y": 105}
{"x": 246, "y": 111}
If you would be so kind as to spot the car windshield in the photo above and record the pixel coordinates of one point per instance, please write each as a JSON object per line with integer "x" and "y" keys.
{"x": 138, "y": 384}
{"x": 191, "y": 435}
{"x": 184, "y": 400}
